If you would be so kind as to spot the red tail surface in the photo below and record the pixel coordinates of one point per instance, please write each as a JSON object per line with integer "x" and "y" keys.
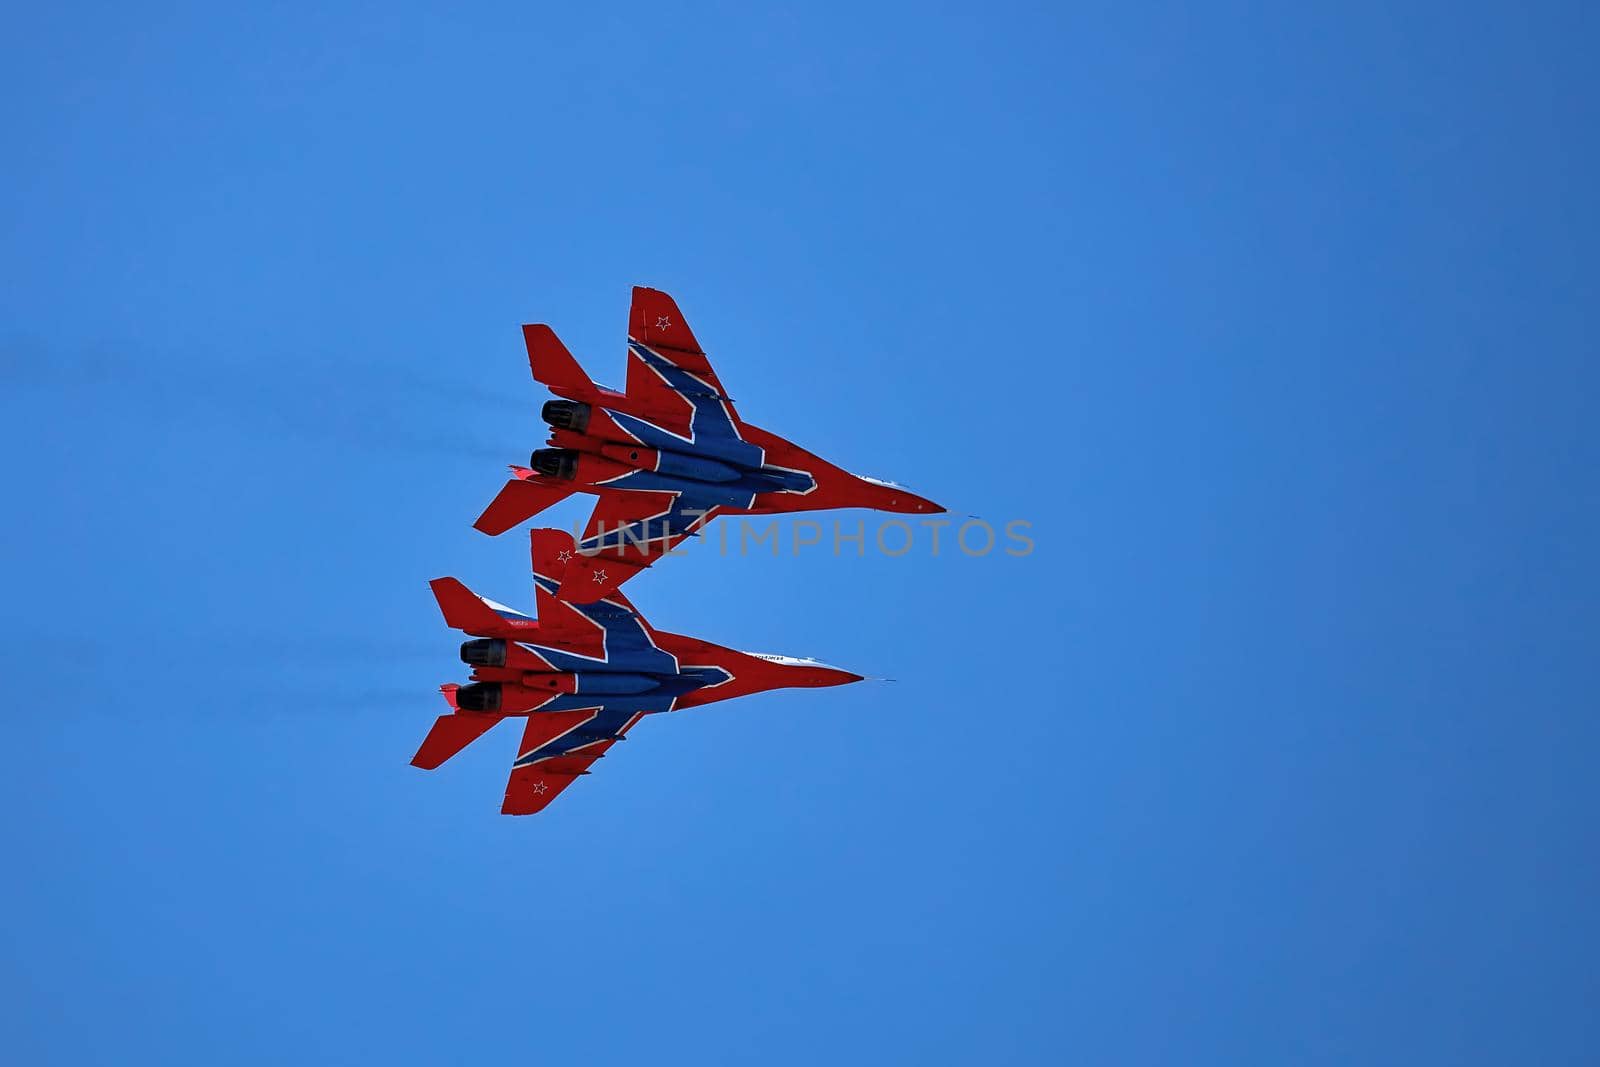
{"x": 451, "y": 733}
{"x": 553, "y": 365}
{"x": 516, "y": 503}
{"x": 465, "y": 610}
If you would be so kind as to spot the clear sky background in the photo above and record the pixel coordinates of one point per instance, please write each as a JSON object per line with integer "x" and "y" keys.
{"x": 1276, "y": 321}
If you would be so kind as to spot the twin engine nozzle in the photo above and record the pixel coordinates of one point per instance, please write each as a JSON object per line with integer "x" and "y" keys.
{"x": 560, "y": 463}
{"x": 479, "y": 696}
{"x": 484, "y": 652}
{"x": 566, "y": 415}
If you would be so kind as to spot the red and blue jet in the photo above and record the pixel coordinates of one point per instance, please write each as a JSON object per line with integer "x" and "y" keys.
{"x": 581, "y": 675}
{"x": 664, "y": 456}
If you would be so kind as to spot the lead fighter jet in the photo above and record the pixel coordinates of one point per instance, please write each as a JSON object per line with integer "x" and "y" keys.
{"x": 581, "y": 675}
{"x": 664, "y": 456}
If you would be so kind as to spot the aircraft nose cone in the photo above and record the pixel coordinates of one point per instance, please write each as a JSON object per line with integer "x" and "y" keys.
{"x": 825, "y": 676}
{"x": 911, "y": 504}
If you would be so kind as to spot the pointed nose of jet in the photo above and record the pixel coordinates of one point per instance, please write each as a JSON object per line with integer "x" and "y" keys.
{"x": 790, "y": 672}
{"x": 912, "y": 504}
{"x": 887, "y": 497}
{"x": 820, "y": 677}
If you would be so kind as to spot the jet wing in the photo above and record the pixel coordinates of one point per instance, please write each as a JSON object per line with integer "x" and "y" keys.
{"x": 627, "y": 532}
{"x": 674, "y": 362}
{"x": 556, "y": 748}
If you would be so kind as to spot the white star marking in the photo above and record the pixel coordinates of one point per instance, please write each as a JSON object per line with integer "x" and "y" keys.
{"x": 600, "y": 577}
{"x": 563, "y": 556}
{"x": 540, "y": 789}
{"x": 663, "y": 322}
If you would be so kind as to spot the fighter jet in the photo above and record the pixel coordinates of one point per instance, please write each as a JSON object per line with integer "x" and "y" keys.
{"x": 664, "y": 456}
{"x": 581, "y": 675}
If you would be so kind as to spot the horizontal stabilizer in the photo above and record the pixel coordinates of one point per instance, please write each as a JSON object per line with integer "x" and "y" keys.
{"x": 465, "y": 610}
{"x": 553, "y": 365}
{"x": 451, "y": 734}
{"x": 516, "y": 503}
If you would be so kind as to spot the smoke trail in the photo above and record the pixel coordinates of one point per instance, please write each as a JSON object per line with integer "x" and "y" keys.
{"x": 349, "y": 405}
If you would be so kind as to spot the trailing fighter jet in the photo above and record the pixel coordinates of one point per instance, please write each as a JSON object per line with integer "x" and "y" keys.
{"x": 664, "y": 456}
{"x": 581, "y": 675}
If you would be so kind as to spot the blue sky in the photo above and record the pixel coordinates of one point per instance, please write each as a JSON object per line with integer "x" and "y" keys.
{"x": 1277, "y": 325}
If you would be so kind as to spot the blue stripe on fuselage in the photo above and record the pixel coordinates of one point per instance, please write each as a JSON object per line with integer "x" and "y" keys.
{"x": 712, "y": 435}
{"x": 626, "y": 647}
{"x": 712, "y": 432}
